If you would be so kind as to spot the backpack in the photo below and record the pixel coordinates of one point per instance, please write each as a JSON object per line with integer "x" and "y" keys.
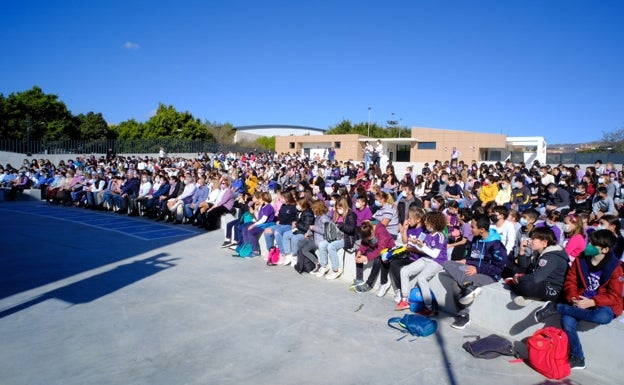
{"x": 331, "y": 231}
{"x": 489, "y": 347}
{"x": 548, "y": 352}
{"x": 244, "y": 250}
{"x": 274, "y": 256}
{"x": 414, "y": 324}
{"x": 416, "y": 300}
{"x": 397, "y": 252}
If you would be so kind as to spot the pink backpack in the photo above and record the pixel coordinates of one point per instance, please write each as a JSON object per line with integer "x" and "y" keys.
{"x": 274, "y": 256}
{"x": 548, "y": 352}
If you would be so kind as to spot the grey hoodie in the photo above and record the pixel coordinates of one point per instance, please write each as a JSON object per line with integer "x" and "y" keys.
{"x": 550, "y": 267}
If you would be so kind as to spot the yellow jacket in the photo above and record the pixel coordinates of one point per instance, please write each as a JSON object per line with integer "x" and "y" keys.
{"x": 488, "y": 192}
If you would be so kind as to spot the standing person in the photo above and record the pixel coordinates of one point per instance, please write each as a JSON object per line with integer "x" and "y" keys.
{"x": 592, "y": 290}
{"x": 455, "y": 153}
{"x": 482, "y": 266}
{"x": 368, "y": 154}
{"x": 378, "y": 153}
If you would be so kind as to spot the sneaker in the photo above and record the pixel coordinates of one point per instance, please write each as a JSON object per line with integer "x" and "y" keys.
{"x": 322, "y": 271}
{"x": 425, "y": 311}
{"x": 397, "y": 296}
{"x": 402, "y": 305}
{"x": 577, "y": 363}
{"x": 225, "y": 244}
{"x": 522, "y": 301}
{"x": 461, "y": 322}
{"x": 470, "y": 294}
{"x": 316, "y": 269}
{"x": 383, "y": 289}
{"x": 356, "y": 283}
{"x": 287, "y": 259}
{"x": 363, "y": 288}
{"x": 334, "y": 274}
{"x": 548, "y": 310}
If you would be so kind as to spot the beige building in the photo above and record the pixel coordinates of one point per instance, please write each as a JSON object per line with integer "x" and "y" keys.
{"x": 424, "y": 145}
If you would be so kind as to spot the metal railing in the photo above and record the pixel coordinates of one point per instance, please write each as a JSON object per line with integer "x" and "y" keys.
{"x": 138, "y": 146}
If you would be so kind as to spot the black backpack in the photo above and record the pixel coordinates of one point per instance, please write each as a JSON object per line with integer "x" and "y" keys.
{"x": 489, "y": 347}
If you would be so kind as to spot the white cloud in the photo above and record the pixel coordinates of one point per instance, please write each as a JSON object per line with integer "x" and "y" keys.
{"x": 131, "y": 46}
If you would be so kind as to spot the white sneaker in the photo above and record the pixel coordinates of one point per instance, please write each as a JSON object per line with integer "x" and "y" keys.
{"x": 334, "y": 274}
{"x": 322, "y": 271}
{"x": 397, "y": 296}
{"x": 287, "y": 259}
{"x": 383, "y": 289}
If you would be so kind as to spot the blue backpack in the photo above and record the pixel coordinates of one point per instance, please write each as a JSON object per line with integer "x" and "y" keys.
{"x": 416, "y": 300}
{"x": 414, "y": 324}
{"x": 244, "y": 250}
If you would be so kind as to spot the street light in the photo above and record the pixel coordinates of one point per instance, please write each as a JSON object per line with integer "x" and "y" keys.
{"x": 368, "y": 122}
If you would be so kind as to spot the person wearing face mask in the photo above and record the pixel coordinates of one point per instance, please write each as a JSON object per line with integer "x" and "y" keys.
{"x": 518, "y": 260}
{"x": 520, "y": 195}
{"x": 543, "y": 279}
{"x": 176, "y": 205}
{"x": 192, "y": 210}
{"x": 345, "y": 219}
{"x": 145, "y": 188}
{"x": 488, "y": 190}
{"x": 387, "y": 213}
{"x": 592, "y": 292}
{"x": 362, "y": 211}
{"x": 407, "y": 200}
{"x": 504, "y": 227}
{"x": 433, "y": 250}
{"x": 574, "y": 233}
{"x": 602, "y": 204}
{"x": 222, "y": 204}
{"x": 613, "y": 224}
{"x": 375, "y": 238}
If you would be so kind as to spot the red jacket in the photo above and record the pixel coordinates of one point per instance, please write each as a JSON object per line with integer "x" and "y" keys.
{"x": 384, "y": 241}
{"x": 611, "y": 283}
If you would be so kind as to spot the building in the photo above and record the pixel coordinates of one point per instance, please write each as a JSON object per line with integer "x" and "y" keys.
{"x": 254, "y": 132}
{"x": 424, "y": 145}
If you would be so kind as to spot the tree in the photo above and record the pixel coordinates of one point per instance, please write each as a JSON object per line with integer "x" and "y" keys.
{"x": 614, "y": 139}
{"x": 129, "y": 129}
{"x": 91, "y": 126}
{"x": 376, "y": 131}
{"x": 266, "y": 143}
{"x": 222, "y": 133}
{"x": 169, "y": 123}
{"x": 34, "y": 115}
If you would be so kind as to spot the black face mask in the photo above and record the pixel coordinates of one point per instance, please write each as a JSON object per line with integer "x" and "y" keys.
{"x": 494, "y": 218}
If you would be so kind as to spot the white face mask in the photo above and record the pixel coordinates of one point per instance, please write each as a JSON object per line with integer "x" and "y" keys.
{"x": 340, "y": 211}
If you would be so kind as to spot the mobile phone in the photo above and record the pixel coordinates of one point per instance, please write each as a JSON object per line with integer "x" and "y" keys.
{"x": 422, "y": 237}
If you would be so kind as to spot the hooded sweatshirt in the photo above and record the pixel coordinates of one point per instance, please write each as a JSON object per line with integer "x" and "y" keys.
{"x": 488, "y": 255}
{"x": 550, "y": 267}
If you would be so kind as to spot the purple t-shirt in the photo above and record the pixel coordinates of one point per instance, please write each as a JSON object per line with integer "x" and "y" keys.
{"x": 437, "y": 241}
{"x": 268, "y": 211}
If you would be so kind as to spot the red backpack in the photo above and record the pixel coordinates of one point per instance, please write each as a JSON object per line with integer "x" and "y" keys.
{"x": 548, "y": 352}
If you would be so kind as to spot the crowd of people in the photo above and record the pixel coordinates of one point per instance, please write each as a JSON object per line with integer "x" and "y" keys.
{"x": 551, "y": 233}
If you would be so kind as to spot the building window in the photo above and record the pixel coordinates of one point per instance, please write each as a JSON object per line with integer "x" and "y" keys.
{"x": 336, "y": 144}
{"x": 292, "y": 145}
{"x": 426, "y": 145}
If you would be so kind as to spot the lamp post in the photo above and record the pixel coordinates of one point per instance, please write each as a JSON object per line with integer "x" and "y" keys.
{"x": 368, "y": 122}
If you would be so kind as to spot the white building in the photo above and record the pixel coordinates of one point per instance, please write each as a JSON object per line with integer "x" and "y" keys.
{"x": 254, "y": 132}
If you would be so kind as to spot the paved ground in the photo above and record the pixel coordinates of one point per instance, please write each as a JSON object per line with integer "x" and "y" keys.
{"x": 100, "y": 298}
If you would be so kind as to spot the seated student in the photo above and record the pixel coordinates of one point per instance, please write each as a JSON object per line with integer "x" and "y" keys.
{"x": 515, "y": 261}
{"x": 452, "y": 191}
{"x": 592, "y": 292}
{"x": 233, "y": 229}
{"x": 543, "y": 279}
{"x": 520, "y": 195}
{"x": 305, "y": 218}
{"x": 574, "y": 235}
{"x": 361, "y": 210}
{"x": 286, "y": 216}
{"x": 222, "y": 205}
{"x": 433, "y": 256}
{"x": 602, "y": 204}
{"x": 483, "y": 265}
{"x": 264, "y": 215}
{"x": 457, "y": 246}
{"x": 309, "y": 232}
{"x": 375, "y": 238}
{"x": 345, "y": 219}
{"x": 18, "y": 184}
{"x": 152, "y": 203}
{"x": 503, "y": 227}
{"x": 191, "y": 210}
{"x": 552, "y": 219}
{"x": 175, "y": 205}
{"x": 613, "y": 224}
{"x": 410, "y": 230}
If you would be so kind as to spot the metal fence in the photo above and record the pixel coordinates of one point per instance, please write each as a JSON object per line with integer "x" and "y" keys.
{"x": 584, "y": 158}
{"x": 139, "y": 146}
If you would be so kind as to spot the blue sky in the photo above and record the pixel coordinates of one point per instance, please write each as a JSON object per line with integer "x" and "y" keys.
{"x": 523, "y": 68}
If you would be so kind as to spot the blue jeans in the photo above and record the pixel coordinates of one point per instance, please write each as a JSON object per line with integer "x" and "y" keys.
{"x": 330, "y": 249}
{"x": 290, "y": 242}
{"x": 275, "y": 234}
{"x": 570, "y": 316}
